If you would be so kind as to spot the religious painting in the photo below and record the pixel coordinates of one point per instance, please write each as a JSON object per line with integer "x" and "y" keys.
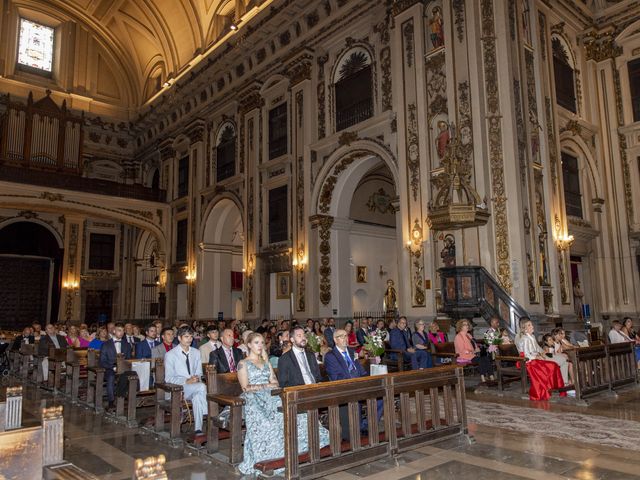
{"x": 361, "y": 274}
{"x": 283, "y": 285}
{"x": 436, "y": 28}
{"x": 451, "y": 289}
{"x": 466, "y": 287}
{"x": 489, "y": 296}
{"x": 505, "y": 311}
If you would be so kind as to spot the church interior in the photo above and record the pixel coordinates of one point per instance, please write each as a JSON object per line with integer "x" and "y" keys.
{"x": 444, "y": 195}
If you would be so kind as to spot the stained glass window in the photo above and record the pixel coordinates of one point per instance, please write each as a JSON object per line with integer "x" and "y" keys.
{"x": 35, "y": 45}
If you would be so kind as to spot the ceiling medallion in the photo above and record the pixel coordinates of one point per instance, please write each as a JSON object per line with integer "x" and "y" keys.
{"x": 456, "y": 204}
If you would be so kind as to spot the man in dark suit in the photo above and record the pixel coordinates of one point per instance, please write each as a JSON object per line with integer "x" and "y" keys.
{"x": 298, "y": 366}
{"x": 226, "y": 358}
{"x": 51, "y": 339}
{"x": 130, "y": 338}
{"x": 400, "y": 339}
{"x": 143, "y": 349}
{"x": 342, "y": 363}
{"x": 363, "y": 332}
{"x": 25, "y": 339}
{"x": 329, "y": 331}
{"x": 108, "y": 353}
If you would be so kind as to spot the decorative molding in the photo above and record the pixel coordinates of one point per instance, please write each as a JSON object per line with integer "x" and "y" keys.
{"x": 622, "y": 141}
{"x": 326, "y": 194}
{"x": 458, "y": 11}
{"x": 413, "y": 150}
{"x": 496, "y": 159}
{"x": 553, "y": 147}
{"x": 436, "y": 85}
{"x": 324, "y": 223}
{"x": 407, "y": 32}
{"x": 600, "y": 46}
{"x": 385, "y": 68}
{"x": 542, "y": 26}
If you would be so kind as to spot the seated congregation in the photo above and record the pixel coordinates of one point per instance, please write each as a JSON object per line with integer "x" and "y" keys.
{"x": 232, "y": 379}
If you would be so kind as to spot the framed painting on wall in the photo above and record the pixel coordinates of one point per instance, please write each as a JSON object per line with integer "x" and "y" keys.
{"x": 283, "y": 285}
{"x": 361, "y": 274}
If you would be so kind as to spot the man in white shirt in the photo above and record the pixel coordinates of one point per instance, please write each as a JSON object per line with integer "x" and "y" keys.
{"x": 615, "y": 334}
{"x": 183, "y": 366}
{"x": 298, "y": 366}
{"x": 213, "y": 343}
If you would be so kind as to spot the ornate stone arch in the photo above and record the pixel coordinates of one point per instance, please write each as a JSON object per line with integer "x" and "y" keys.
{"x": 212, "y": 204}
{"x": 54, "y": 232}
{"x": 344, "y": 160}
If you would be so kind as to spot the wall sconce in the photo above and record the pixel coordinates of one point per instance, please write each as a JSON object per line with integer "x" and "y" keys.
{"x": 414, "y": 245}
{"x": 382, "y": 272}
{"x": 299, "y": 261}
{"x": 564, "y": 243}
{"x": 191, "y": 276}
{"x": 70, "y": 284}
{"x": 250, "y": 265}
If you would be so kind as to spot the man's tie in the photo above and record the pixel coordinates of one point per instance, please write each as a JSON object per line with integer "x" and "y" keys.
{"x": 305, "y": 365}
{"x": 186, "y": 358}
{"x": 232, "y": 364}
{"x": 347, "y": 359}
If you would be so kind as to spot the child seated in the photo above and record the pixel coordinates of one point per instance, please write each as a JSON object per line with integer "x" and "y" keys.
{"x": 504, "y": 335}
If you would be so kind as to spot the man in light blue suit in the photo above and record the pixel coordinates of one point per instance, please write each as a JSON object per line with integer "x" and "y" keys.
{"x": 182, "y": 366}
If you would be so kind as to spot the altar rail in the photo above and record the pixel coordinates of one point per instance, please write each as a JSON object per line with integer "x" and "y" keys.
{"x": 430, "y": 406}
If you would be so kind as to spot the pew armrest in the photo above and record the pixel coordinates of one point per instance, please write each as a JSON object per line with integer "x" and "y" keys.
{"x": 444, "y": 355}
{"x": 169, "y": 387}
{"x": 96, "y": 369}
{"x": 510, "y": 359}
{"x": 226, "y": 400}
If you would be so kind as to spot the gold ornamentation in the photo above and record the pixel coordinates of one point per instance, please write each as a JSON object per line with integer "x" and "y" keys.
{"x": 385, "y": 68}
{"x": 413, "y": 151}
{"x": 496, "y": 160}
{"x": 456, "y": 204}
{"x": 601, "y": 46}
{"x": 572, "y": 126}
{"x": 150, "y": 468}
{"x": 52, "y": 197}
{"x": 458, "y": 9}
{"x": 407, "y": 31}
{"x": 326, "y": 194}
{"x": 436, "y": 84}
{"x": 347, "y": 138}
{"x": 380, "y": 201}
{"x": 553, "y": 147}
{"x": 542, "y": 24}
{"x": 622, "y": 141}
{"x": 324, "y": 223}
{"x": 52, "y": 413}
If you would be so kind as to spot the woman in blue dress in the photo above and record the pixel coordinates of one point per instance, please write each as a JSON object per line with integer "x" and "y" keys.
{"x": 264, "y": 439}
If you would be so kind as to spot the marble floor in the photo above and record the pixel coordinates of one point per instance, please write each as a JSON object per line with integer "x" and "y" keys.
{"x": 99, "y": 445}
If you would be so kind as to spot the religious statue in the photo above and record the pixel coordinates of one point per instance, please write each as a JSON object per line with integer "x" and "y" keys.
{"x": 448, "y": 253}
{"x": 442, "y": 140}
{"x": 437, "y": 28}
{"x": 390, "y": 302}
{"x": 578, "y": 294}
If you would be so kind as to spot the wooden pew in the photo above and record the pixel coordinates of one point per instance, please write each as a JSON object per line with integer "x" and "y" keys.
{"x": 171, "y": 404}
{"x": 76, "y": 363}
{"x": 622, "y": 364}
{"x": 136, "y": 398}
{"x": 95, "y": 381}
{"x": 223, "y": 390}
{"x": 590, "y": 370}
{"x": 431, "y": 388}
{"x": 510, "y": 367}
{"x": 27, "y": 353}
{"x": 57, "y": 357}
{"x": 77, "y": 373}
{"x": 445, "y": 350}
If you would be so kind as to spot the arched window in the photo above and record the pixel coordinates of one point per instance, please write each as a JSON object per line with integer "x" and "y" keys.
{"x": 353, "y": 89}
{"x": 634, "y": 85}
{"x": 571, "y": 184}
{"x": 564, "y": 75}
{"x": 226, "y": 152}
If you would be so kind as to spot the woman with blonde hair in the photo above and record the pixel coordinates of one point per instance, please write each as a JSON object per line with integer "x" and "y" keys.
{"x": 265, "y": 425}
{"x": 544, "y": 373}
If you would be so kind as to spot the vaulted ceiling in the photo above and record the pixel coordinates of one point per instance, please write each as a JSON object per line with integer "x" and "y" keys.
{"x": 143, "y": 42}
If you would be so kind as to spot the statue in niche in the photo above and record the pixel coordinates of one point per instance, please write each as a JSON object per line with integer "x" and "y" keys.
{"x": 442, "y": 140}
{"x": 437, "y": 28}
{"x": 448, "y": 253}
{"x": 578, "y": 295}
{"x": 390, "y": 301}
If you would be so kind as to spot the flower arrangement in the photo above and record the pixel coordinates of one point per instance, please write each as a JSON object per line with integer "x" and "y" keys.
{"x": 492, "y": 338}
{"x": 374, "y": 343}
{"x": 313, "y": 342}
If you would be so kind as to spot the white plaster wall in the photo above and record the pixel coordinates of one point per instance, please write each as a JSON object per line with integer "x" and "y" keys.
{"x": 277, "y": 306}
{"x": 182, "y": 300}
{"x": 372, "y": 249}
